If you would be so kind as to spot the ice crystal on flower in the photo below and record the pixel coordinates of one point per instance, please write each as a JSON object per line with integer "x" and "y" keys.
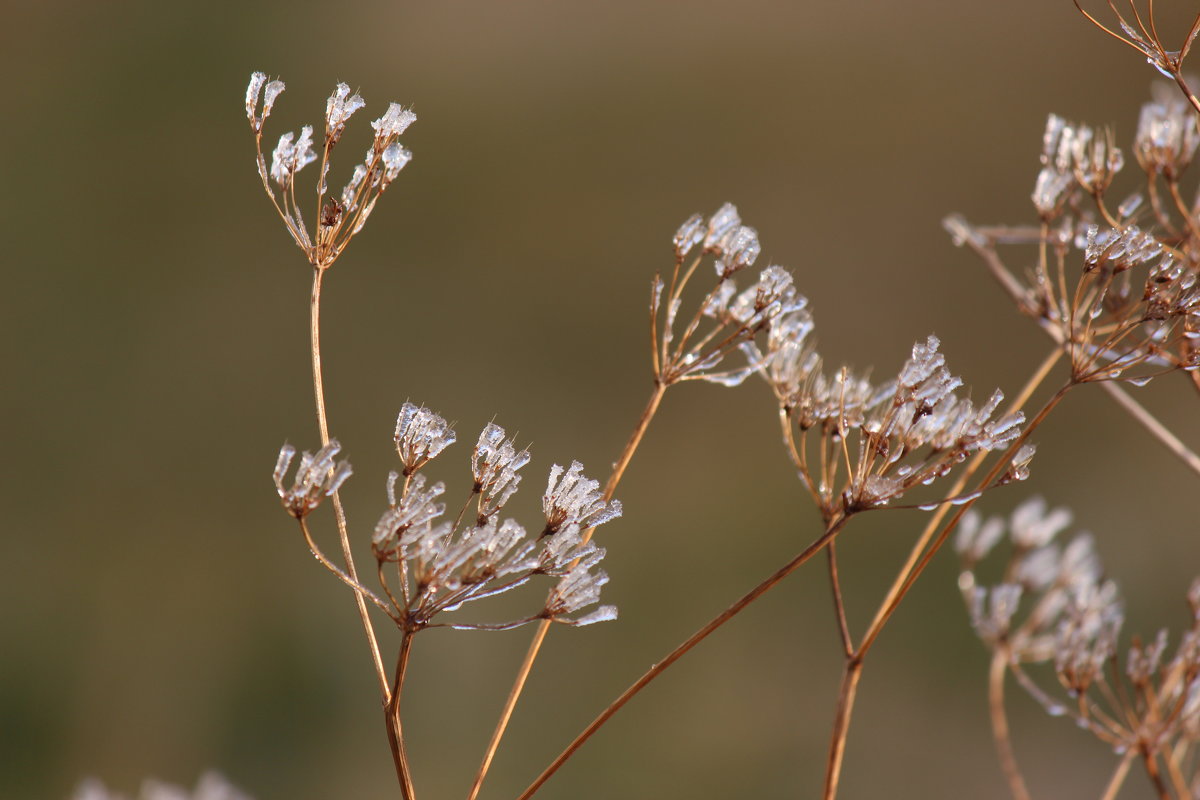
{"x": 409, "y": 514}
{"x": 495, "y": 464}
{"x": 289, "y": 158}
{"x": 420, "y": 436}
{"x": 340, "y": 106}
{"x": 720, "y": 225}
{"x": 317, "y": 477}
{"x": 690, "y": 234}
{"x": 1167, "y": 134}
{"x": 573, "y": 499}
{"x": 393, "y": 123}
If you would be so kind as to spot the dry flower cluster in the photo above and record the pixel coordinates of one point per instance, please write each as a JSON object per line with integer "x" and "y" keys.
{"x": 1115, "y": 287}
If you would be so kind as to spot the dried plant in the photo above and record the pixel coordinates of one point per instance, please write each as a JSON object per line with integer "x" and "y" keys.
{"x": 1113, "y": 284}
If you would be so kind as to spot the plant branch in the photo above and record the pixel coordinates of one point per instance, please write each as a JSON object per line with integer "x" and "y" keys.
{"x": 657, "y": 669}
{"x": 1000, "y": 732}
{"x": 539, "y": 636}
{"x": 392, "y": 714}
{"x": 339, "y": 511}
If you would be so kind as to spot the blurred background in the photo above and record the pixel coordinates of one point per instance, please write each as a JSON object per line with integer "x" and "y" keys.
{"x": 158, "y": 611}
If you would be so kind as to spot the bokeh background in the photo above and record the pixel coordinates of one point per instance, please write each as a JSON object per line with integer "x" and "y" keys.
{"x": 159, "y": 614}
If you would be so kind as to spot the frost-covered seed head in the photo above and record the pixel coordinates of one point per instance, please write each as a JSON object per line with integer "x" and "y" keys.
{"x": 690, "y": 234}
{"x": 572, "y": 499}
{"x": 318, "y": 476}
{"x": 495, "y": 464}
{"x": 340, "y": 106}
{"x": 393, "y": 123}
{"x": 420, "y": 436}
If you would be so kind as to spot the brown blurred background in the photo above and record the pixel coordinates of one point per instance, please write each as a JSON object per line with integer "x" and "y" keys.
{"x": 159, "y": 614}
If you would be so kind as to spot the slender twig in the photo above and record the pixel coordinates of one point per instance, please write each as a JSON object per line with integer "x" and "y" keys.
{"x": 658, "y": 668}
{"x": 1118, "y": 776}
{"x": 346, "y": 579}
{"x": 339, "y": 511}
{"x": 839, "y": 607}
{"x": 847, "y": 693}
{"x": 539, "y": 636}
{"x": 1151, "y": 424}
{"x": 392, "y": 712}
{"x": 1151, "y": 764}
{"x": 904, "y": 582}
{"x": 1000, "y": 732}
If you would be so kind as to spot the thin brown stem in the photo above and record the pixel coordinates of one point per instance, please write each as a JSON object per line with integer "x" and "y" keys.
{"x": 841, "y": 725}
{"x": 1151, "y": 764}
{"x": 339, "y": 511}
{"x": 839, "y": 607}
{"x": 392, "y": 715}
{"x": 1151, "y": 424}
{"x": 907, "y": 585}
{"x": 342, "y": 576}
{"x": 1118, "y": 777}
{"x": 539, "y": 636}
{"x": 904, "y": 581}
{"x": 1000, "y": 732}
{"x": 703, "y": 633}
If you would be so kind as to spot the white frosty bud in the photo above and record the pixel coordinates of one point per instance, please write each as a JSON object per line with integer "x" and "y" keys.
{"x": 289, "y": 158}
{"x": 420, "y": 436}
{"x": 338, "y": 109}
{"x": 317, "y": 476}
{"x": 393, "y": 123}
{"x": 395, "y": 158}
{"x": 690, "y": 234}
{"x": 721, "y": 224}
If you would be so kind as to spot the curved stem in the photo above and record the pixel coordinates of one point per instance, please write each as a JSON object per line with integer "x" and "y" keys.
{"x": 339, "y": 512}
{"x": 693, "y": 640}
{"x": 1004, "y": 750}
{"x": 343, "y": 577}
{"x": 539, "y": 635}
{"x": 839, "y": 607}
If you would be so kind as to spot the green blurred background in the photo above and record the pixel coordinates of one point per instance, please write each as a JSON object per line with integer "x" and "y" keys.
{"x": 158, "y": 612}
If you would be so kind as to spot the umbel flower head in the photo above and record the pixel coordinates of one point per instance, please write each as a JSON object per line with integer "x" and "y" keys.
{"x": 1054, "y": 607}
{"x": 736, "y": 317}
{"x": 340, "y": 216}
{"x": 441, "y": 564}
{"x": 1115, "y": 284}
{"x": 877, "y": 441}
{"x": 317, "y": 477}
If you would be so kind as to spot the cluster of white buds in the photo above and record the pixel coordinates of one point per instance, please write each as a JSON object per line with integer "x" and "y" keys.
{"x": 420, "y": 436}
{"x": 1073, "y": 155}
{"x": 442, "y": 564}
{"x": 495, "y": 465}
{"x": 211, "y": 786}
{"x": 739, "y": 316}
{"x": 572, "y": 499}
{"x": 341, "y": 217}
{"x": 317, "y": 477}
{"x": 1167, "y": 134}
{"x": 1133, "y": 311}
{"x": 1054, "y": 607}
{"x": 893, "y": 436}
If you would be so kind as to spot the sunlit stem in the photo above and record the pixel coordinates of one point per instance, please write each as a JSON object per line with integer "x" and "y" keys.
{"x": 641, "y": 683}
{"x": 539, "y": 636}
